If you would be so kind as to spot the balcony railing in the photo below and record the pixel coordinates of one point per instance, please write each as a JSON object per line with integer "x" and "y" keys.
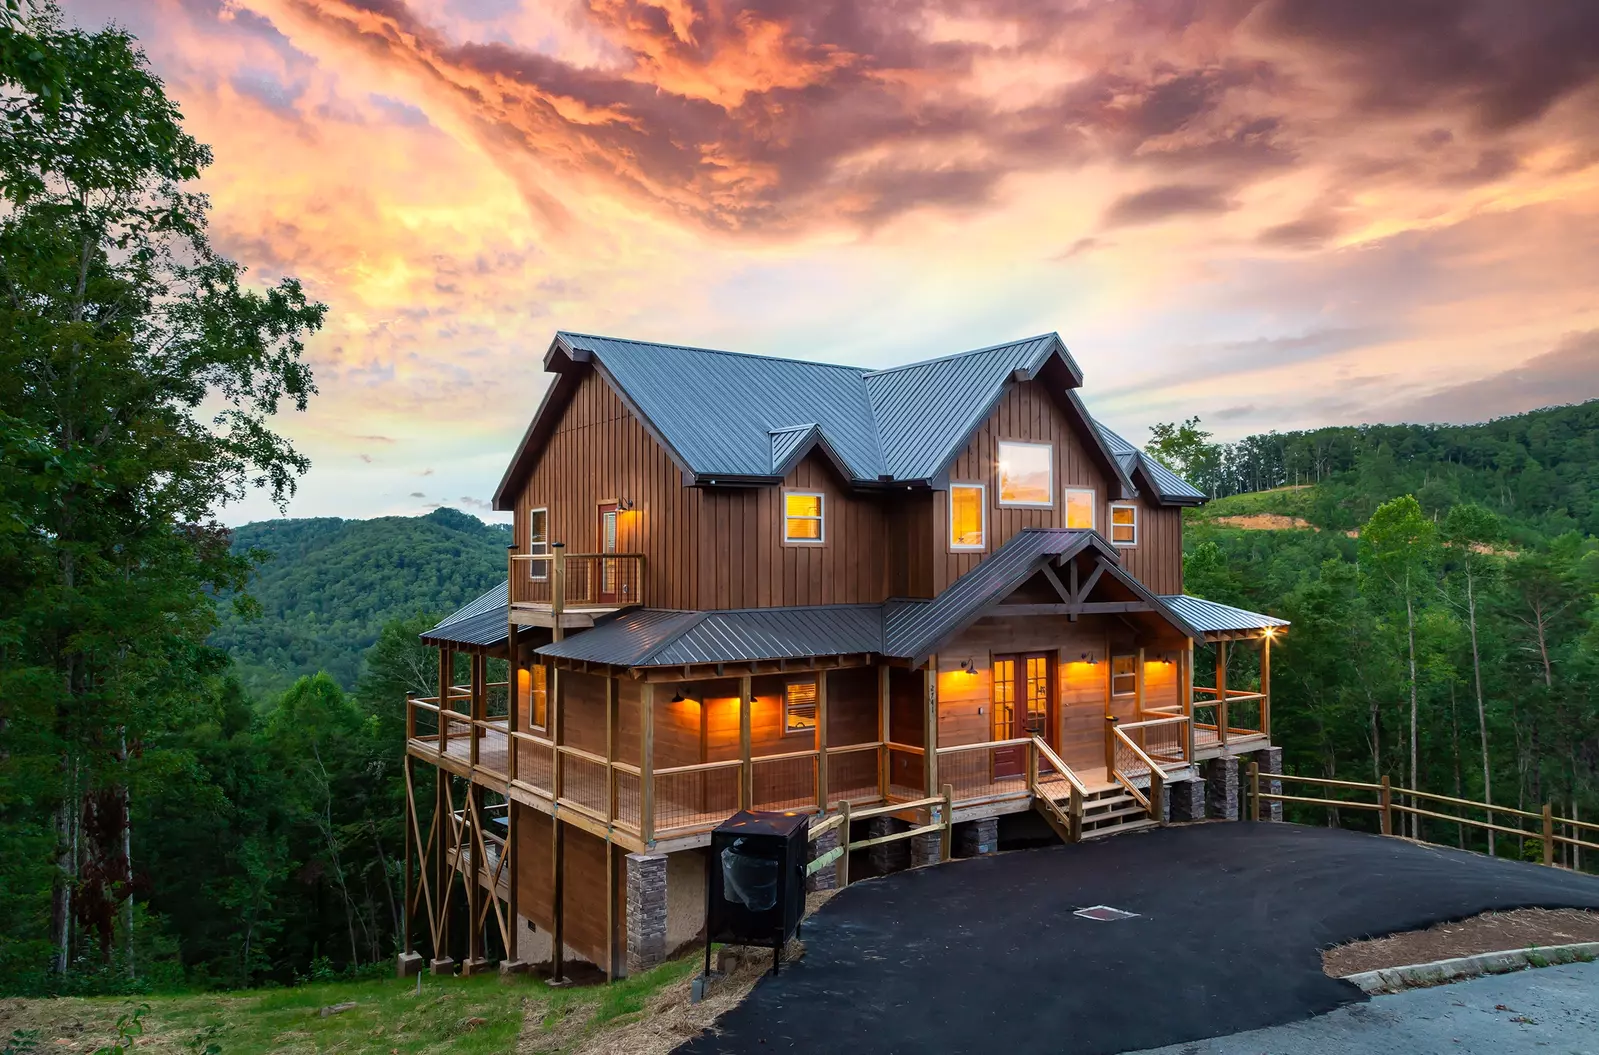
{"x": 577, "y": 581}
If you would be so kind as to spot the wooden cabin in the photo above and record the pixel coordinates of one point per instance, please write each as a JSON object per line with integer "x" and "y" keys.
{"x": 746, "y": 582}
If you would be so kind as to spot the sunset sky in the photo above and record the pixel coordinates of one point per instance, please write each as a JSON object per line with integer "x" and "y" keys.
{"x": 1272, "y": 215}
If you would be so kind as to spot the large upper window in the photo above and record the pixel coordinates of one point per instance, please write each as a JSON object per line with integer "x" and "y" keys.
{"x": 799, "y": 707}
{"x": 966, "y": 515}
{"x": 538, "y": 542}
{"x": 1026, "y": 474}
{"x": 1080, "y": 507}
{"x": 1124, "y": 524}
{"x": 802, "y": 517}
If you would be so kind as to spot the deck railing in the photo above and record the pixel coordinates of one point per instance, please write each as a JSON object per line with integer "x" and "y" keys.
{"x": 1218, "y": 720}
{"x": 1163, "y": 739}
{"x": 1139, "y": 774}
{"x": 857, "y": 772}
{"x": 783, "y": 782}
{"x": 991, "y": 770}
{"x": 576, "y": 581}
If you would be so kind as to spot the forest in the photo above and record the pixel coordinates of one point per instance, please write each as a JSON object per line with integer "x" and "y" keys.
{"x": 201, "y": 728}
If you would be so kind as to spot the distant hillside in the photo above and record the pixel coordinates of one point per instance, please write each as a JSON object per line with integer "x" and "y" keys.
{"x": 331, "y": 584}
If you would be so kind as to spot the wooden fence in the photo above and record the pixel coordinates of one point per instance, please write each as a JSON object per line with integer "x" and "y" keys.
{"x": 1388, "y": 800}
{"x": 942, "y": 821}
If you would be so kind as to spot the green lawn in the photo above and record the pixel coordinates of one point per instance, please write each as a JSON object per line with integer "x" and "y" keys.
{"x": 462, "y": 1016}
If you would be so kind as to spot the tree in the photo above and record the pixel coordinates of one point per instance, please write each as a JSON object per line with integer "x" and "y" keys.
{"x": 1186, "y": 448}
{"x": 1397, "y": 547}
{"x": 138, "y": 376}
{"x": 1470, "y": 532}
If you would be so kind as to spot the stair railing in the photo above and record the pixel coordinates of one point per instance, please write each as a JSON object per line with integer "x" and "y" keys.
{"x": 1127, "y": 760}
{"x": 1069, "y": 821}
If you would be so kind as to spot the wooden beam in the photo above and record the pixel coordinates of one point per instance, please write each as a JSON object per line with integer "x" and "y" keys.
{"x": 1077, "y": 608}
{"x": 1265, "y": 684}
{"x": 821, "y": 741}
{"x": 646, "y": 765}
{"x": 746, "y": 780}
{"x": 1054, "y": 581}
{"x": 1138, "y": 684}
{"x": 1221, "y": 692}
{"x": 930, "y": 739}
{"x": 409, "y": 765}
{"x": 1093, "y": 577}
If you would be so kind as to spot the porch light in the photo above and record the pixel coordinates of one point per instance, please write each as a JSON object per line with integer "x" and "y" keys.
{"x": 1088, "y": 657}
{"x": 969, "y": 666}
{"x": 677, "y": 697}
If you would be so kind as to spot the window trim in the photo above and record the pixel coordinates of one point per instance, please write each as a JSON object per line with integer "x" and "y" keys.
{"x": 1093, "y": 506}
{"x": 982, "y": 513}
{"x": 1134, "y": 674}
{"x": 999, "y": 484}
{"x": 1113, "y": 525}
{"x": 815, "y": 705}
{"x": 538, "y": 570}
{"x": 820, "y": 518}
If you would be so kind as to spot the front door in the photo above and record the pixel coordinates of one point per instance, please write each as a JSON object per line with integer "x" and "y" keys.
{"x": 607, "y": 584}
{"x": 1023, "y": 706}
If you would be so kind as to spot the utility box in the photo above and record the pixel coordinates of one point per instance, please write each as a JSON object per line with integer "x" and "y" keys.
{"x": 755, "y": 881}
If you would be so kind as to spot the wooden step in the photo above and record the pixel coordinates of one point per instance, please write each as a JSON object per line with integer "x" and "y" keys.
{"x": 1118, "y": 829}
{"x": 1134, "y": 810}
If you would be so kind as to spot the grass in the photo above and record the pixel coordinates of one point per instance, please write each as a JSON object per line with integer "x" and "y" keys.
{"x": 461, "y": 1016}
{"x": 1282, "y": 501}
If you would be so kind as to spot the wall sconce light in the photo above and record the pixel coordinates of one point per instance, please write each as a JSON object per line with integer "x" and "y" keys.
{"x": 677, "y": 697}
{"x": 969, "y": 666}
{"x": 624, "y": 505}
{"x": 1088, "y": 657}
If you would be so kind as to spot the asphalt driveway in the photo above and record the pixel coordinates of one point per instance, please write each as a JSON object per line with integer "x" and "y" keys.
{"x": 985, "y": 955}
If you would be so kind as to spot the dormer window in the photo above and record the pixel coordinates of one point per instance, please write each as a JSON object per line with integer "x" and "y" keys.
{"x": 802, "y": 518}
{"x": 967, "y": 515}
{"x": 1124, "y": 524}
{"x": 1026, "y": 474}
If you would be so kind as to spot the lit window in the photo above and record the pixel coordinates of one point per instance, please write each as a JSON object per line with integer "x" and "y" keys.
{"x": 1026, "y": 475}
{"x": 1124, "y": 524}
{"x": 799, "y": 707}
{"x": 530, "y": 685}
{"x": 802, "y": 517}
{"x": 966, "y": 514}
{"x": 1080, "y": 507}
{"x": 538, "y": 542}
{"x": 1123, "y": 675}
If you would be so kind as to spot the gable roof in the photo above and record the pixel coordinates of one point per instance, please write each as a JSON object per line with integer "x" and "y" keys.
{"x": 1167, "y": 485}
{"x": 726, "y": 417}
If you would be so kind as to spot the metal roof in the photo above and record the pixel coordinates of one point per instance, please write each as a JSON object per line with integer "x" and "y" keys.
{"x": 481, "y": 622}
{"x": 1165, "y": 482}
{"x": 1215, "y": 617}
{"x": 653, "y": 637}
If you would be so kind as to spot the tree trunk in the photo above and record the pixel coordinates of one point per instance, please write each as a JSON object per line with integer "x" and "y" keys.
{"x": 1415, "y": 708}
{"x": 1482, "y": 710}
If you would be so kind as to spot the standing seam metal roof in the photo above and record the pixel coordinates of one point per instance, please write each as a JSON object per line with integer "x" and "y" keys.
{"x": 1213, "y": 616}
{"x": 665, "y": 638}
{"x": 1166, "y": 482}
{"x": 479, "y": 622}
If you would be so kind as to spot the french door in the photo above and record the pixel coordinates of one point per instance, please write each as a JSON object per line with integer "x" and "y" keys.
{"x": 1023, "y": 706}
{"x": 607, "y": 591}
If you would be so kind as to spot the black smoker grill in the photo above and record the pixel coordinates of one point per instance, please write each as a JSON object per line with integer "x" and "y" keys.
{"x": 755, "y": 881}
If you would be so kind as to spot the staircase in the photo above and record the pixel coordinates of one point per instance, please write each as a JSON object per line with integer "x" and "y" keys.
{"x": 1112, "y": 811}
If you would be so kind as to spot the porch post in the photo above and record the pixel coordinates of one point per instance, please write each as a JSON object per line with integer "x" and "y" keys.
{"x": 646, "y": 763}
{"x": 513, "y": 696}
{"x": 446, "y": 672}
{"x": 1185, "y": 686}
{"x": 610, "y": 749}
{"x": 746, "y": 781}
{"x": 1138, "y": 684}
{"x": 930, "y": 740}
{"x": 558, "y": 598}
{"x": 1221, "y": 691}
{"x": 554, "y": 708}
{"x": 884, "y": 757}
{"x": 478, "y": 703}
{"x": 821, "y": 741}
{"x": 1265, "y": 684}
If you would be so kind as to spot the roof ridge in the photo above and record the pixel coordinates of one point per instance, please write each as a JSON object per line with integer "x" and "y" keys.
{"x": 858, "y": 370}
{"x": 958, "y": 355}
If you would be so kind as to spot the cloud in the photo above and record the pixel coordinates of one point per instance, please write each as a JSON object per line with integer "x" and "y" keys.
{"x": 1568, "y": 373}
{"x": 365, "y": 458}
{"x": 476, "y": 503}
{"x": 1160, "y": 203}
{"x": 418, "y": 494}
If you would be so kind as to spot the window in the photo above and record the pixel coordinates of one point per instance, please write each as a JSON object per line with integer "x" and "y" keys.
{"x": 1123, "y": 675}
{"x": 1080, "y": 505}
{"x": 966, "y": 514}
{"x": 1026, "y": 475}
{"x": 799, "y": 707}
{"x": 538, "y": 542}
{"x": 530, "y": 685}
{"x": 802, "y": 517}
{"x": 1124, "y": 524}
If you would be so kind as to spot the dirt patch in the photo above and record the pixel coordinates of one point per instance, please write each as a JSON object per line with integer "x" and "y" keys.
{"x": 1264, "y": 522}
{"x": 1522, "y": 928}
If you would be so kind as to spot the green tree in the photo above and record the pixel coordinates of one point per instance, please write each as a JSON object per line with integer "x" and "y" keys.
{"x": 138, "y": 377}
{"x": 1471, "y": 532}
{"x": 1186, "y": 448}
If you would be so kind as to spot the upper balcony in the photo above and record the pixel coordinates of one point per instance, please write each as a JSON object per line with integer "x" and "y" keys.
{"x": 572, "y": 589}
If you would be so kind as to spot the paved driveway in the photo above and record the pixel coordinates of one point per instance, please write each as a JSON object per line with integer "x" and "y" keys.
{"x": 985, "y": 955}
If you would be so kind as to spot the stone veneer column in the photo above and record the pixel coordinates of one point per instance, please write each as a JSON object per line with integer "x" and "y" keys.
{"x": 977, "y": 838}
{"x": 925, "y": 849}
{"x": 825, "y": 878}
{"x": 887, "y": 857}
{"x": 1221, "y": 787}
{"x": 1270, "y": 760}
{"x": 1187, "y": 800}
{"x": 646, "y": 911}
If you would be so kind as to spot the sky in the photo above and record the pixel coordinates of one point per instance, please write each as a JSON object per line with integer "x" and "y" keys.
{"x": 1272, "y": 214}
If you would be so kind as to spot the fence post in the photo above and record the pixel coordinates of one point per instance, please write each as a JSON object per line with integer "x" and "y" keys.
{"x": 1548, "y": 834}
{"x": 1385, "y": 801}
{"x": 1157, "y": 796}
{"x": 946, "y": 836}
{"x": 843, "y": 841}
{"x": 1254, "y": 791}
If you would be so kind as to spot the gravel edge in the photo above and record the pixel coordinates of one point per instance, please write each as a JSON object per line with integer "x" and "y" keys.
{"x": 1440, "y": 972}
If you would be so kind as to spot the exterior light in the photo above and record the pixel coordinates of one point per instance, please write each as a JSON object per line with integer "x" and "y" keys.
{"x": 677, "y": 697}
{"x": 969, "y": 666}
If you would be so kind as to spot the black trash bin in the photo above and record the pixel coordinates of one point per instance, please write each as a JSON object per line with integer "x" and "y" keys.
{"x": 755, "y": 881}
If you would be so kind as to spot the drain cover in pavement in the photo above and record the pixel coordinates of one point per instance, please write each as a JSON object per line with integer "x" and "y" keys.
{"x": 1104, "y": 913}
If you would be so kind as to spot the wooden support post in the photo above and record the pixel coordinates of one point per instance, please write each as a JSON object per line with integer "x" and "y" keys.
{"x": 1385, "y": 801}
{"x": 1549, "y": 834}
{"x": 885, "y": 757}
{"x": 443, "y": 880}
{"x": 646, "y": 764}
{"x": 1157, "y": 796}
{"x": 610, "y": 912}
{"x": 1265, "y": 684}
{"x": 821, "y": 741}
{"x": 610, "y": 751}
{"x": 843, "y": 841}
{"x": 513, "y": 693}
{"x": 557, "y": 899}
{"x": 446, "y": 672}
{"x": 477, "y": 703}
{"x": 1185, "y": 686}
{"x": 1254, "y": 790}
{"x": 930, "y": 739}
{"x": 1110, "y": 747}
{"x": 746, "y": 775}
{"x": 411, "y": 826}
{"x": 472, "y": 830}
{"x": 558, "y": 590}
{"x": 1221, "y": 692}
{"x": 1075, "y": 817}
{"x": 513, "y": 905}
{"x": 1138, "y": 685}
{"x": 947, "y": 837}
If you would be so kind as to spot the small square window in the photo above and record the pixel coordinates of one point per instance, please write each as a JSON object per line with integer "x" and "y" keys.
{"x": 802, "y": 517}
{"x": 966, "y": 516}
{"x": 1080, "y": 503}
{"x": 1026, "y": 474}
{"x": 799, "y": 707}
{"x": 1123, "y": 675}
{"x": 1124, "y": 524}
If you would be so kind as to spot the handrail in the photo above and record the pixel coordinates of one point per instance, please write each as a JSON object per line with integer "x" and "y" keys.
{"x": 1150, "y": 802}
{"x": 910, "y": 749}
{"x": 895, "y": 807}
{"x": 1148, "y": 722}
{"x": 1018, "y": 741}
{"x": 532, "y": 738}
{"x": 842, "y": 749}
{"x": 629, "y": 768}
{"x": 579, "y": 556}
{"x": 700, "y": 767}
{"x": 422, "y": 704}
{"x": 786, "y": 755}
{"x": 1060, "y": 767}
{"x": 587, "y": 756}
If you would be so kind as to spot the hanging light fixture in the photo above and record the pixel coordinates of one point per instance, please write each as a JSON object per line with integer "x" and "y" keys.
{"x": 677, "y": 697}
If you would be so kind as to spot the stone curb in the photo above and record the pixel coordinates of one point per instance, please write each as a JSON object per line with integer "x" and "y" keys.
{"x": 1439, "y": 972}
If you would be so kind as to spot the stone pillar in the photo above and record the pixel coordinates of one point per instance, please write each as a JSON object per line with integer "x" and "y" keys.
{"x": 977, "y": 838}
{"x": 1186, "y": 800}
{"x": 925, "y": 849}
{"x": 887, "y": 857}
{"x": 1270, "y": 760}
{"x": 826, "y": 878}
{"x": 646, "y": 911}
{"x": 1221, "y": 787}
